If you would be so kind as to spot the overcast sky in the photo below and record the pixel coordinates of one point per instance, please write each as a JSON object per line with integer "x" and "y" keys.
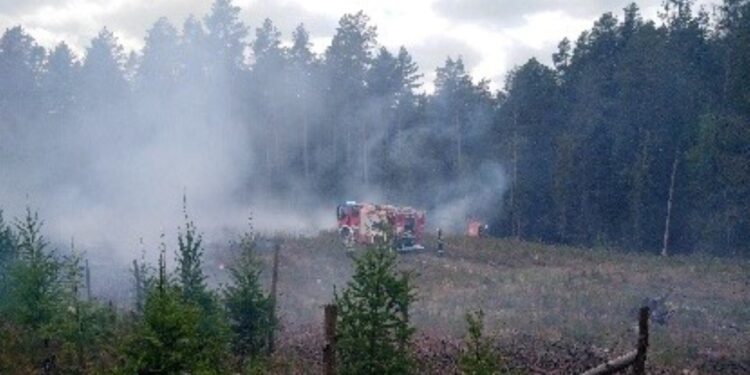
{"x": 491, "y": 35}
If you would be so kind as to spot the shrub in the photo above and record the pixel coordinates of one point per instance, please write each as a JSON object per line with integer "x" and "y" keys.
{"x": 248, "y": 308}
{"x": 35, "y": 278}
{"x": 373, "y": 321}
{"x": 477, "y": 358}
{"x": 191, "y": 283}
{"x": 189, "y": 257}
{"x": 166, "y": 340}
{"x": 8, "y": 255}
{"x": 181, "y": 328}
{"x": 85, "y": 327}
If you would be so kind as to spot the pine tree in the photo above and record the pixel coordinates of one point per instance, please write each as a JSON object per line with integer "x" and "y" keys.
{"x": 35, "y": 278}
{"x": 160, "y": 66}
{"x": 530, "y": 148}
{"x": 167, "y": 339}
{"x": 8, "y": 256}
{"x": 269, "y": 96}
{"x": 85, "y": 327}
{"x": 302, "y": 73}
{"x": 189, "y": 258}
{"x": 373, "y": 321}
{"x": 60, "y": 81}
{"x": 225, "y": 36}
{"x": 347, "y": 60}
{"x": 102, "y": 72}
{"x": 191, "y": 284}
{"x": 478, "y": 357}
{"x": 194, "y": 53}
{"x": 21, "y": 63}
{"x": 34, "y": 299}
{"x": 143, "y": 280}
{"x": 248, "y": 308}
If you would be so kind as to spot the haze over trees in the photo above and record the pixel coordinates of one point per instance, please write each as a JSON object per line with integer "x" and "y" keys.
{"x": 639, "y": 126}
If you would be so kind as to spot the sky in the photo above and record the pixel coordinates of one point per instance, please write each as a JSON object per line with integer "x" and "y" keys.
{"x": 491, "y": 36}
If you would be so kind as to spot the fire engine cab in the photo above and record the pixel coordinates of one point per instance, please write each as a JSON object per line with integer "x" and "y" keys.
{"x": 367, "y": 224}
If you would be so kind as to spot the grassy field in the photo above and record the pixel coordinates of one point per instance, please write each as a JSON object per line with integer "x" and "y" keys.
{"x": 548, "y": 308}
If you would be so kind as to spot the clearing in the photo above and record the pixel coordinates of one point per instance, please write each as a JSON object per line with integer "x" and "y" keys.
{"x": 551, "y": 309}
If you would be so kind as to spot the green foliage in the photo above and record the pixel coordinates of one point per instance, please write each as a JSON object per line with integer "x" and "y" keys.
{"x": 84, "y": 328}
{"x": 248, "y": 308}
{"x": 8, "y": 254}
{"x": 191, "y": 282}
{"x": 190, "y": 277}
{"x": 167, "y": 339}
{"x": 48, "y": 319}
{"x": 35, "y": 288}
{"x": 181, "y": 328}
{"x": 170, "y": 336}
{"x": 142, "y": 282}
{"x": 478, "y": 358}
{"x": 373, "y": 322}
{"x": 585, "y": 146}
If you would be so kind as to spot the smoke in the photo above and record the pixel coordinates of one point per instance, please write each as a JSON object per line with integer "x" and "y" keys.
{"x": 112, "y": 172}
{"x": 478, "y": 198}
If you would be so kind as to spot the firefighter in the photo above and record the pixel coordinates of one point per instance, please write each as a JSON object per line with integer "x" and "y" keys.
{"x": 482, "y": 231}
{"x": 440, "y": 241}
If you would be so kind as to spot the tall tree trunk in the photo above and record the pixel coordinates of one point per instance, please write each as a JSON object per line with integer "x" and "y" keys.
{"x": 276, "y": 145}
{"x": 88, "y": 281}
{"x": 348, "y": 158}
{"x": 665, "y": 248}
{"x": 365, "y": 156}
{"x": 334, "y": 125}
{"x": 459, "y": 144}
{"x": 515, "y": 221}
{"x": 305, "y": 147}
{"x": 398, "y": 133}
{"x": 639, "y": 177}
{"x": 268, "y": 159}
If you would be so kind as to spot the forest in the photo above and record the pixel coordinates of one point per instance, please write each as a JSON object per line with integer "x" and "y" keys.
{"x": 636, "y": 121}
{"x": 635, "y": 140}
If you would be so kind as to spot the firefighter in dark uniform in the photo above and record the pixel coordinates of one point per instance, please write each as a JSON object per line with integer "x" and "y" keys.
{"x": 440, "y": 241}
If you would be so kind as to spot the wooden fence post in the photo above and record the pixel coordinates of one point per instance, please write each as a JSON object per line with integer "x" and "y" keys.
{"x": 274, "y": 281}
{"x": 639, "y": 367}
{"x": 329, "y": 351}
{"x": 635, "y": 358}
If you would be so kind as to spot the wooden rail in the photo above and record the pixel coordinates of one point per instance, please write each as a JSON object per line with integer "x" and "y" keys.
{"x": 635, "y": 359}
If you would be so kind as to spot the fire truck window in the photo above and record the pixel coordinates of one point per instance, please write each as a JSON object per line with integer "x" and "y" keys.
{"x": 340, "y": 212}
{"x": 409, "y": 224}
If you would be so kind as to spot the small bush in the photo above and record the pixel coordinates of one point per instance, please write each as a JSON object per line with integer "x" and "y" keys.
{"x": 477, "y": 358}
{"x": 248, "y": 308}
{"x": 35, "y": 288}
{"x": 373, "y": 322}
{"x": 166, "y": 339}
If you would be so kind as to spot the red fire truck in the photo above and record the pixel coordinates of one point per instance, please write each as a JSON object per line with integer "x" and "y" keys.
{"x": 367, "y": 223}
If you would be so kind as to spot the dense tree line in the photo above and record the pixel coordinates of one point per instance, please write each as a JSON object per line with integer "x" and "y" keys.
{"x": 636, "y": 127}
{"x": 639, "y": 126}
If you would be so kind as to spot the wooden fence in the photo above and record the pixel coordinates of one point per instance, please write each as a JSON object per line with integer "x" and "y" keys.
{"x": 635, "y": 359}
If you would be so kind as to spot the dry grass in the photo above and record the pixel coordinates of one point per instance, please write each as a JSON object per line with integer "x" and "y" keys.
{"x": 537, "y": 298}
